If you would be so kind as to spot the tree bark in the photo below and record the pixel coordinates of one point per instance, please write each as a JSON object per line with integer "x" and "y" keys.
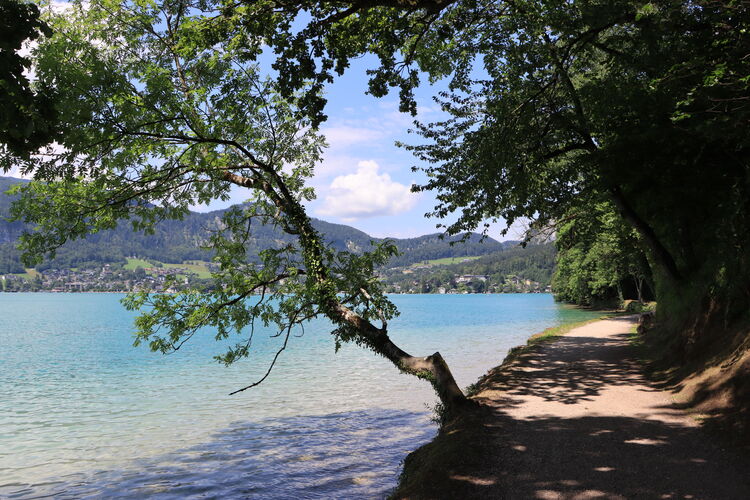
{"x": 661, "y": 255}
{"x": 639, "y": 288}
{"x": 432, "y": 368}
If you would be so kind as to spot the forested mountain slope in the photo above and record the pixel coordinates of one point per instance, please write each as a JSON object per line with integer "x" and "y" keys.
{"x": 175, "y": 241}
{"x": 513, "y": 269}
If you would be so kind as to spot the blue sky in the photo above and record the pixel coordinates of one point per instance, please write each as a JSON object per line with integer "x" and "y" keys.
{"x": 364, "y": 180}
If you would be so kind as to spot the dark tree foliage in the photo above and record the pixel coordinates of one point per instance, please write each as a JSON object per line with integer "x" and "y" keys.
{"x": 10, "y": 261}
{"x": 644, "y": 105}
{"x": 26, "y": 116}
{"x": 534, "y": 262}
{"x": 9, "y": 231}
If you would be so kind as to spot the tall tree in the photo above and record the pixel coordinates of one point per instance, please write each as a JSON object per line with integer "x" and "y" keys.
{"x": 625, "y": 99}
{"x": 26, "y": 115}
{"x": 600, "y": 259}
{"x": 643, "y": 105}
{"x": 553, "y": 103}
{"x": 158, "y": 118}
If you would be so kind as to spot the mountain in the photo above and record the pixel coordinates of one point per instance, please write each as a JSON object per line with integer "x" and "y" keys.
{"x": 9, "y": 231}
{"x": 514, "y": 269}
{"x": 176, "y": 241}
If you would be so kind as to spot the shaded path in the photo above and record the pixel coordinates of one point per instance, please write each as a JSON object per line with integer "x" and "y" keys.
{"x": 576, "y": 419}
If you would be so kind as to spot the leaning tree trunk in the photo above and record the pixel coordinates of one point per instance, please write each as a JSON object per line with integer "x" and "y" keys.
{"x": 432, "y": 368}
{"x": 658, "y": 251}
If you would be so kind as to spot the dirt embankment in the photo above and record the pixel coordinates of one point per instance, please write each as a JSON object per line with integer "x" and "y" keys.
{"x": 713, "y": 382}
{"x": 576, "y": 418}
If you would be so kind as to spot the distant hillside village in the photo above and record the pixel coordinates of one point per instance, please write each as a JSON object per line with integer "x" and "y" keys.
{"x": 470, "y": 283}
{"x": 442, "y": 279}
{"x": 114, "y": 278}
{"x": 176, "y": 257}
{"x": 109, "y": 278}
{"x": 513, "y": 270}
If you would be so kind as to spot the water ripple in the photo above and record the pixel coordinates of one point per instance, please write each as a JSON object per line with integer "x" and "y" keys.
{"x": 83, "y": 414}
{"x": 342, "y": 455}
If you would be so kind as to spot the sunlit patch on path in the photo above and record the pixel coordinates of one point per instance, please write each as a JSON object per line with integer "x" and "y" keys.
{"x": 576, "y": 419}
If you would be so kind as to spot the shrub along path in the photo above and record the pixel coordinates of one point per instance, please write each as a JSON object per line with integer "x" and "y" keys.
{"x": 576, "y": 419}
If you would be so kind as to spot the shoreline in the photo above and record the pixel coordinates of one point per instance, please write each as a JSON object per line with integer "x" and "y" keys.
{"x": 550, "y": 334}
{"x": 578, "y": 417}
{"x": 453, "y": 438}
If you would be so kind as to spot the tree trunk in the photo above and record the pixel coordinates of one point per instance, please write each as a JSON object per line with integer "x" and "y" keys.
{"x": 442, "y": 380}
{"x": 432, "y": 368}
{"x": 660, "y": 254}
{"x": 639, "y": 288}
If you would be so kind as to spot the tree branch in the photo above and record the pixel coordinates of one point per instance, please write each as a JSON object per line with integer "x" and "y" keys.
{"x": 661, "y": 255}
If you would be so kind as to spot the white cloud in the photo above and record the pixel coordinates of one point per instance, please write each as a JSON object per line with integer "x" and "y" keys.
{"x": 15, "y": 172}
{"x": 365, "y": 132}
{"x": 366, "y": 193}
{"x": 343, "y": 136}
{"x": 333, "y": 165}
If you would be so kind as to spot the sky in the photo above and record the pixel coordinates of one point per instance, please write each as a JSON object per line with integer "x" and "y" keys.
{"x": 364, "y": 179}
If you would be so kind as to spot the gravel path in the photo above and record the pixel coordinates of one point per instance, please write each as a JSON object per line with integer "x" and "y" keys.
{"x": 576, "y": 419}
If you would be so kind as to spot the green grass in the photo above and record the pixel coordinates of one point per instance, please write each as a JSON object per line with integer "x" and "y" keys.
{"x": 549, "y": 335}
{"x": 133, "y": 263}
{"x": 560, "y": 330}
{"x": 446, "y": 261}
{"x": 201, "y": 269}
{"x": 30, "y": 274}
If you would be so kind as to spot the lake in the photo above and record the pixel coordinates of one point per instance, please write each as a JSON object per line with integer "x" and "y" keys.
{"x": 85, "y": 414}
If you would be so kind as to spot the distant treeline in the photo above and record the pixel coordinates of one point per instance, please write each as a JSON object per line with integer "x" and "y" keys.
{"x": 535, "y": 262}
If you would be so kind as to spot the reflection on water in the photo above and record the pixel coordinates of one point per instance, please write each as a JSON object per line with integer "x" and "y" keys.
{"x": 341, "y": 455}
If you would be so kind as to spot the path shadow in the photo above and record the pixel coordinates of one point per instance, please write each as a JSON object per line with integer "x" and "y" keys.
{"x": 572, "y": 370}
{"x": 341, "y": 455}
{"x": 577, "y": 457}
{"x": 601, "y": 457}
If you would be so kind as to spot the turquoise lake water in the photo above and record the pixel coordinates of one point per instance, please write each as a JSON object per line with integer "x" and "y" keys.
{"x": 85, "y": 414}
